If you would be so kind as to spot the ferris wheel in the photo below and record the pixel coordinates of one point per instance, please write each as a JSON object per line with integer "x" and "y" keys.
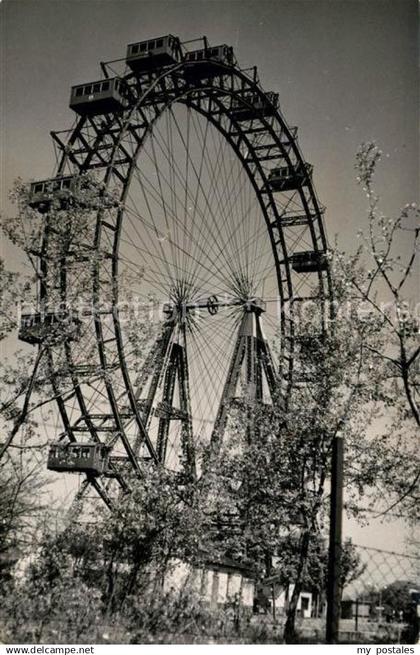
{"x": 209, "y": 216}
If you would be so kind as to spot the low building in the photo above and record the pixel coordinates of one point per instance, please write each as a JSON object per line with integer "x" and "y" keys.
{"x": 218, "y": 581}
{"x": 351, "y": 609}
{"x": 272, "y": 596}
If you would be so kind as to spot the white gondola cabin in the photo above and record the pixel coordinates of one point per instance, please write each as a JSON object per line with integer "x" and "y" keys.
{"x": 309, "y": 262}
{"x": 102, "y": 97}
{"x": 289, "y": 178}
{"x": 155, "y": 53}
{"x": 78, "y": 458}
{"x": 253, "y": 105}
{"x": 208, "y": 62}
{"x": 35, "y": 328}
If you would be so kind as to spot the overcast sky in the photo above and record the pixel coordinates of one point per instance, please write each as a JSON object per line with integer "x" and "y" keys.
{"x": 346, "y": 72}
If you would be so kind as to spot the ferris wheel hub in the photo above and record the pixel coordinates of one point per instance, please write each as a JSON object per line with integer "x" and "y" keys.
{"x": 213, "y": 304}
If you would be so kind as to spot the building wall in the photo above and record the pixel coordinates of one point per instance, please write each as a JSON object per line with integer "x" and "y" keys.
{"x": 217, "y": 584}
{"x": 304, "y": 605}
{"x": 349, "y": 609}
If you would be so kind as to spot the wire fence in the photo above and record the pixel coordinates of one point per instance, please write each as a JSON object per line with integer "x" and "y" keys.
{"x": 381, "y": 601}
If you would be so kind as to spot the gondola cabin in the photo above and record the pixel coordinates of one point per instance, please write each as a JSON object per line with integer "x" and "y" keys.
{"x": 102, "y": 97}
{"x": 78, "y": 458}
{"x": 289, "y": 178}
{"x": 37, "y": 327}
{"x": 208, "y": 62}
{"x": 156, "y": 53}
{"x": 309, "y": 262}
{"x": 254, "y": 106}
{"x": 41, "y": 194}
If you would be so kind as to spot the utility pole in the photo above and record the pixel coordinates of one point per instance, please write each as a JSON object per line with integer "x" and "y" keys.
{"x": 356, "y": 618}
{"x": 335, "y": 545}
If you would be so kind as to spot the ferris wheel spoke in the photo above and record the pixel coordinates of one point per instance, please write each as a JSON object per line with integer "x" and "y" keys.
{"x": 189, "y": 254}
{"x": 221, "y": 193}
{"x": 163, "y": 258}
{"x": 177, "y": 173}
{"x": 235, "y": 233}
{"x": 231, "y": 245}
{"x": 213, "y": 170}
{"x": 208, "y": 204}
{"x": 164, "y": 205}
{"x": 197, "y": 247}
{"x": 215, "y": 187}
{"x": 146, "y": 239}
{"x": 151, "y": 214}
{"x": 148, "y": 248}
{"x": 211, "y": 372}
{"x": 205, "y": 401}
{"x": 244, "y": 249}
{"x": 186, "y": 190}
{"x": 213, "y": 280}
{"x": 261, "y": 266}
{"x": 196, "y": 199}
{"x": 159, "y": 281}
{"x": 234, "y": 159}
{"x": 215, "y": 356}
{"x": 174, "y": 200}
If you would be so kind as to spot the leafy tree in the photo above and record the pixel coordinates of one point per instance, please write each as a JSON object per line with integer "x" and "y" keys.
{"x": 264, "y": 499}
{"x": 386, "y": 296}
{"x": 396, "y": 596}
{"x": 161, "y": 521}
{"x": 274, "y": 485}
{"x": 387, "y": 267}
{"x": 282, "y": 472}
{"x": 51, "y": 601}
{"x": 22, "y": 490}
{"x": 22, "y": 485}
